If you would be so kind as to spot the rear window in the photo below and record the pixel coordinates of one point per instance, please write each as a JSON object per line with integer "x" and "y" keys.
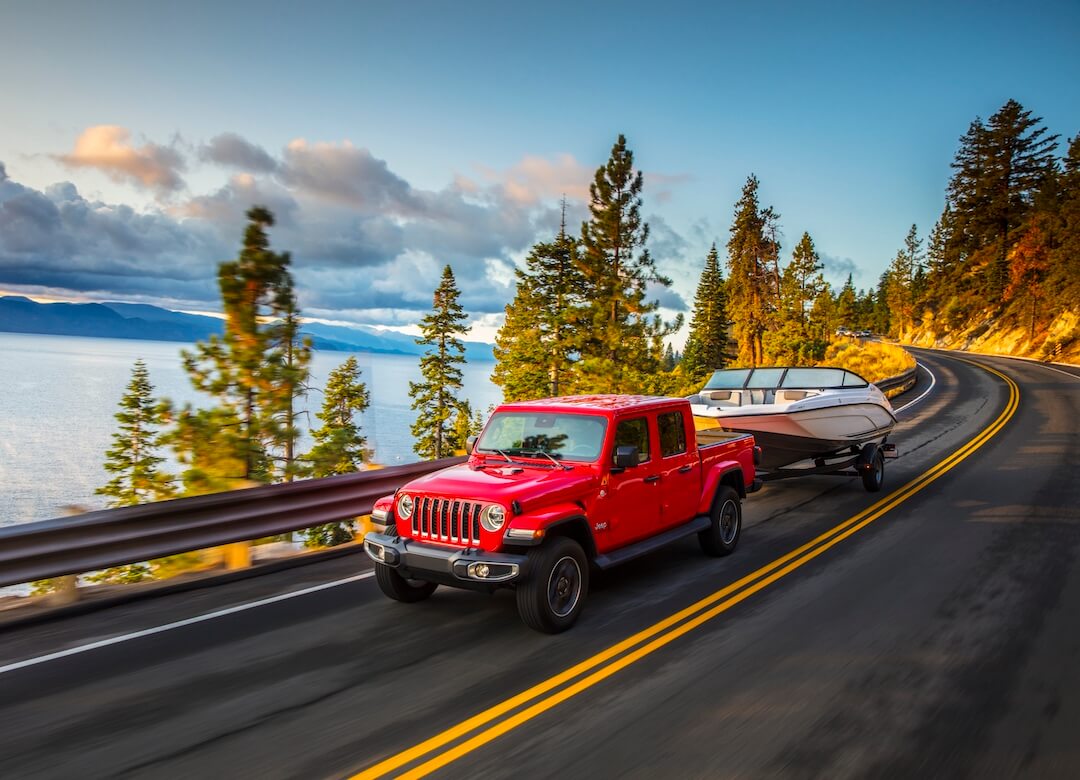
{"x": 672, "y": 434}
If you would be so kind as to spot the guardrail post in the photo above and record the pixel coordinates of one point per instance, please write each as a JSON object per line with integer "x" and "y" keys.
{"x": 65, "y": 591}
{"x": 237, "y": 555}
{"x": 363, "y": 527}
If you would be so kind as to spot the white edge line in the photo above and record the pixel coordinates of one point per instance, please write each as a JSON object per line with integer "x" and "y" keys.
{"x": 933, "y": 381}
{"x": 115, "y": 640}
{"x": 1051, "y": 368}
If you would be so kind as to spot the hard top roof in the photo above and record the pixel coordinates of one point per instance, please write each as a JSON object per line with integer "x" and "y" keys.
{"x": 593, "y": 403}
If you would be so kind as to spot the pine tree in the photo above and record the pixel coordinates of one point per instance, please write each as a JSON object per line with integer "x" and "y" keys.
{"x": 289, "y": 361}
{"x": 620, "y": 338}
{"x": 752, "y": 283}
{"x": 904, "y": 271}
{"x": 999, "y": 170}
{"x": 434, "y": 397}
{"x": 669, "y": 358}
{"x": 1028, "y": 264}
{"x": 707, "y": 345}
{"x": 880, "y": 319}
{"x": 792, "y": 340}
{"x": 466, "y": 423}
{"x": 253, "y": 372}
{"x": 1063, "y": 277}
{"x": 847, "y": 306}
{"x": 535, "y": 348}
{"x": 802, "y": 281}
{"x": 134, "y": 462}
{"x": 339, "y": 448}
{"x": 133, "y": 458}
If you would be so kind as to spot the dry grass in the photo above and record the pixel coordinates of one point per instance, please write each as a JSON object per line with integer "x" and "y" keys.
{"x": 870, "y": 360}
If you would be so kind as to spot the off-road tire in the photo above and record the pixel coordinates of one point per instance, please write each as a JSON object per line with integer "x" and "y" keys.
{"x": 722, "y": 535}
{"x": 551, "y": 596}
{"x": 400, "y": 589}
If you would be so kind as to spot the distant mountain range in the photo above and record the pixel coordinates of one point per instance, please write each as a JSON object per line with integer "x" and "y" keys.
{"x": 152, "y": 323}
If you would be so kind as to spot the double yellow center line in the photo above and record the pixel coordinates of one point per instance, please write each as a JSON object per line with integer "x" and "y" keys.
{"x": 550, "y": 693}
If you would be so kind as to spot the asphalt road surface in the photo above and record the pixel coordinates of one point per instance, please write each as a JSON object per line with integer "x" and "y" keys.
{"x": 932, "y": 629}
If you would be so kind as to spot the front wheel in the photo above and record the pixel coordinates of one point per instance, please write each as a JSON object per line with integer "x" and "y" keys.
{"x": 552, "y": 595}
{"x": 723, "y": 532}
{"x": 398, "y": 588}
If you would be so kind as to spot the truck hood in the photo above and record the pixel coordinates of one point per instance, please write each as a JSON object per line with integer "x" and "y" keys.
{"x": 528, "y": 485}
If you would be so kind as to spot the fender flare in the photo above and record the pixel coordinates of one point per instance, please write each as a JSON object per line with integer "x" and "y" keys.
{"x": 728, "y": 472}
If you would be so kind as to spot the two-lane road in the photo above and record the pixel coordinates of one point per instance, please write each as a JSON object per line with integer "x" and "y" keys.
{"x": 928, "y": 629}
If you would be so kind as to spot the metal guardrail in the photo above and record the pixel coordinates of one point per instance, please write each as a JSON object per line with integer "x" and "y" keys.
{"x": 899, "y": 383}
{"x": 113, "y": 537}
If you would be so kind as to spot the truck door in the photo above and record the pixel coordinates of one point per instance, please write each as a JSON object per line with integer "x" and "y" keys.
{"x": 634, "y": 494}
{"x": 679, "y": 470}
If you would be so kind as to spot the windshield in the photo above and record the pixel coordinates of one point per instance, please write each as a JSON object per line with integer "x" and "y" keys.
{"x": 575, "y": 437}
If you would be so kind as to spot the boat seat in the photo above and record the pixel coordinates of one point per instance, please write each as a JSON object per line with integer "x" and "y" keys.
{"x": 761, "y": 396}
{"x": 787, "y": 396}
{"x": 720, "y": 399}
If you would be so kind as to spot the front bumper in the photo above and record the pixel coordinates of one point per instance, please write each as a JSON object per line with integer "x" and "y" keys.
{"x": 447, "y": 565}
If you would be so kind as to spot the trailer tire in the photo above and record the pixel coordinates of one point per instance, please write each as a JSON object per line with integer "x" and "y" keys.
{"x": 873, "y": 473}
{"x": 551, "y": 596}
{"x": 394, "y": 586}
{"x": 722, "y": 535}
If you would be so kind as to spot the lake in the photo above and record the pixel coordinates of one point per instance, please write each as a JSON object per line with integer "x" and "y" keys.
{"x": 58, "y": 395}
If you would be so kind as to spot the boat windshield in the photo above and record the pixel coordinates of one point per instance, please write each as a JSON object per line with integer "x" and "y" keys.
{"x": 575, "y": 437}
{"x": 822, "y": 378}
{"x": 776, "y": 377}
{"x": 727, "y": 379}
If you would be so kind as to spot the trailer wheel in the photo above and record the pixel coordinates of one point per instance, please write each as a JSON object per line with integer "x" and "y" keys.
{"x": 553, "y": 592}
{"x": 398, "y": 588}
{"x": 722, "y": 535}
{"x": 873, "y": 473}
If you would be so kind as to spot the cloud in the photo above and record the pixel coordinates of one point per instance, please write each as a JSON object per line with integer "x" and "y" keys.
{"x": 346, "y": 174}
{"x": 227, "y": 207}
{"x": 233, "y": 151}
{"x": 108, "y": 149}
{"x": 837, "y": 269}
{"x": 367, "y": 246}
{"x": 534, "y": 179}
{"x": 666, "y": 297}
{"x": 60, "y": 240}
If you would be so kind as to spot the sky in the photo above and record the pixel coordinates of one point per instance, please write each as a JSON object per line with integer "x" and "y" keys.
{"x": 391, "y": 138}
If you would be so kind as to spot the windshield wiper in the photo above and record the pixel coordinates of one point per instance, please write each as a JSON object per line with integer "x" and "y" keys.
{"x": 548, "y": 455}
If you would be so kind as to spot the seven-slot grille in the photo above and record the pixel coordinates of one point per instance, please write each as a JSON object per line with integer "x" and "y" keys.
{"x": 446, "y": 520}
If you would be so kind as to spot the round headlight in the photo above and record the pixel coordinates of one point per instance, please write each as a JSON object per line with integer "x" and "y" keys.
{"x": 492, "y": 517}
{"x": 404, "y": 506}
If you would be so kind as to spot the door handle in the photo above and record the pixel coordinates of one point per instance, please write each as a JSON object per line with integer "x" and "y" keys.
{"x": 653, "y": 478}
{"x": 685, "y": 469}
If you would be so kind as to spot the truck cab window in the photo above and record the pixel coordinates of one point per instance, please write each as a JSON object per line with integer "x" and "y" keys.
{"x": 672, "y": 434}
{"x": 634, "y": 432}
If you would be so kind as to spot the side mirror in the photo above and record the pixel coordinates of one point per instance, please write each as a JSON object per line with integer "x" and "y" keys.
{"x": 469, "y": 444}
{"x": 626, "y": 457}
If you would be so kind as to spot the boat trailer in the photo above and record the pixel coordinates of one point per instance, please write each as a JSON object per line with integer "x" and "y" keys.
{"x": 867, "y": 461}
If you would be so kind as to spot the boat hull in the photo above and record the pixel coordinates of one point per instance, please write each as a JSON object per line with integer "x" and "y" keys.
{"x": 786, "y": 436}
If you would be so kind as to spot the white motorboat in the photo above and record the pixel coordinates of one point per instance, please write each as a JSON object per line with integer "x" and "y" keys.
{"x": 794, "y": 413}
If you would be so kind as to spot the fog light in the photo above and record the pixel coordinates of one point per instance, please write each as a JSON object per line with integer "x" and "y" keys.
{"x": 482, "y": 570}
{"x": 377, "y": 552}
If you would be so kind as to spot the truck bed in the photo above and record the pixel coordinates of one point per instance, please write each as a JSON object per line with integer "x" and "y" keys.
{"x": 710, "y": 437}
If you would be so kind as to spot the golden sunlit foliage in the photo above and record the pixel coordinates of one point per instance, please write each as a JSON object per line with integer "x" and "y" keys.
{"x": 870, "y": 360}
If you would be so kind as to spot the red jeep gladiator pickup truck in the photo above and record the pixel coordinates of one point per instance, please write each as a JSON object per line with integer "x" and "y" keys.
{"x": 553, "y": 487}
